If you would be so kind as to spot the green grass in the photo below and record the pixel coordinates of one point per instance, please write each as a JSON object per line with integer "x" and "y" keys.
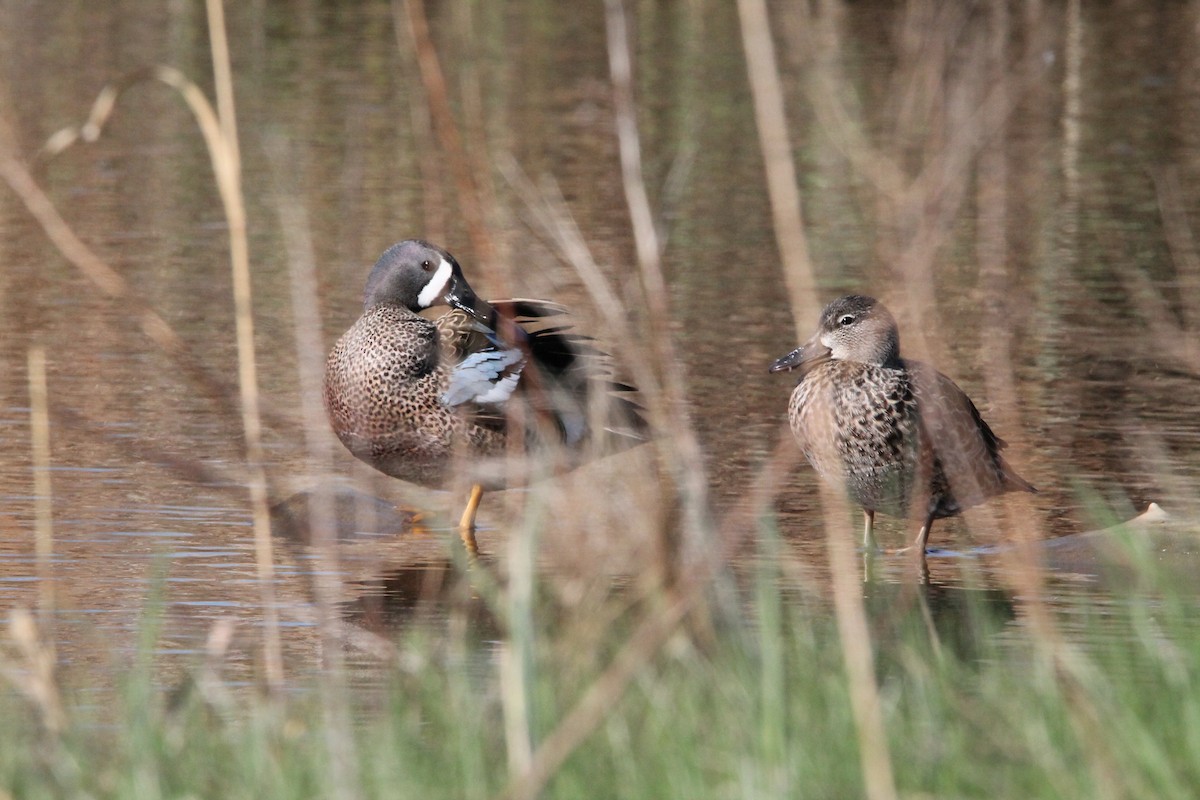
{"x": 987, "y": 712}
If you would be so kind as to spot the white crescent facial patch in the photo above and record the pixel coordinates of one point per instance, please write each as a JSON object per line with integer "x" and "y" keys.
{"x": 437, "y": 284}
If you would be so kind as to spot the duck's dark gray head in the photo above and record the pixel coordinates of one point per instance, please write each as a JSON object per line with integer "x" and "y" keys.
{"x": 419, "y": 275}
{"x": 852, "y": 328}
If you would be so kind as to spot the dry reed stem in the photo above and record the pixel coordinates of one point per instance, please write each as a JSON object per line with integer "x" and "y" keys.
{"x": 471, "y": 174}
{"x": 854, "y": 634}
{"x": 225, "y": 163}
{"x": 766, "y": 90}
{"x": 515, "y": 702}
{"x": 690, "y": 589}
{"x": 223, "y": 84}
{"x": 306, "y": 319}
{"x": 208, "y": 682}
{"x": 645, "y": 233}
{"x": 82, "y": 257}
{"x": 410, "y": 14}
{"x": 550, "y": 213}
{"x": 1022, "y": 568}
{"x": 685, "y": 455}
{"x": 477, "y": 153}
{"x": 39, "y": 425}
{"x": 784, "y": 195}
{"x": 992, "y": 254}
{"x": 221, "y": 137}
{"x": 92, "y": 267}
{"x": 924, "y": 209}
{"x": 473, "y": 196}
{"x": 516, "y": 656}
{"x": 1177, "y": 341}
{"x": 551, "y": 216}
{"x": 34, "y": 675}
{"x": 603, "y": 694}
{"x": 1073, "y": 673}
{"x": 1182, "y": 242}
{"x": 602, "y": 697}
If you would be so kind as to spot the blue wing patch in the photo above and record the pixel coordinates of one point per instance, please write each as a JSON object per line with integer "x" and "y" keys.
{"x": 488, "y": 377}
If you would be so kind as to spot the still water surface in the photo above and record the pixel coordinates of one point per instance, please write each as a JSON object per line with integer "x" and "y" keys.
{"x": 1094, "y": 169}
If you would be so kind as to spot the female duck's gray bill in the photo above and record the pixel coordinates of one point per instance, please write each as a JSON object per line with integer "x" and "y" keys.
{"x": 804, "y": 358}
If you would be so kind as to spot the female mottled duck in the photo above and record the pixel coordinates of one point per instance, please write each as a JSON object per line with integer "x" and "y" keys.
{"x": 900, "y": 436}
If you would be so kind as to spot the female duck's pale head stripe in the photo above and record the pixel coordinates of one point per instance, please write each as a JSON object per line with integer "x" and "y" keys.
{"x": 437, "y": 284}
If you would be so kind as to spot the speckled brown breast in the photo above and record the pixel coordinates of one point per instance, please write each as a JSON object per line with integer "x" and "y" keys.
{"x": 857, "y": 425}
{"x": 383, "y": 385}
{"x": 898, "y": 437}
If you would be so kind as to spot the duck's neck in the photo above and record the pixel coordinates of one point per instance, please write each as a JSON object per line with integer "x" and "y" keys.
{"x": 891, "y": 351}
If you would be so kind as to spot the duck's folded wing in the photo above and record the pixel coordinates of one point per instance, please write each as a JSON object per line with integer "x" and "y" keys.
{"x": 486, "y": 377}
{"x": 532, "y": 352}
{"x": 964, "y": 444}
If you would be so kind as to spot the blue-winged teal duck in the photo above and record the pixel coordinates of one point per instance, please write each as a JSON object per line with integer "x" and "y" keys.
{"x": 899, "y": 435}
{"x": 419, "y": 399}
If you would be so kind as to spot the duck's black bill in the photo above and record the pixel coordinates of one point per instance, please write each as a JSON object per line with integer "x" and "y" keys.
{"x": 460, "y": 295}
{"x": 803, "y": 358}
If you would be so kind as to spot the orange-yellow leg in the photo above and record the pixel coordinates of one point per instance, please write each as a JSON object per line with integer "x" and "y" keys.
{"x": 416, "y": 519}
{"x": 466, "y": 525}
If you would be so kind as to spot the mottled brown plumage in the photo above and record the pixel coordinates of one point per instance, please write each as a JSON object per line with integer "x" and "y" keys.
{"x": 384, "y": 381}
{"x": 900, "y": 436}
{"x": 416, "y": 398}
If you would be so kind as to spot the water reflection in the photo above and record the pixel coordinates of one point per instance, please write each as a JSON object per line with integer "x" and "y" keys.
{"x": 1097, "y": 400}
{"x": 419, "y": 593}
{"x": 394, "y": 572}
{"x": 958, "y": 619}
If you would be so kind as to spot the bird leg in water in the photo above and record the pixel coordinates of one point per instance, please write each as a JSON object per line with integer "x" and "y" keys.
{"x": 868, "y": 530}
{"x": 923, "y": 535}
{"x": 466, "y": 525}
{"x": 918, "y": 545}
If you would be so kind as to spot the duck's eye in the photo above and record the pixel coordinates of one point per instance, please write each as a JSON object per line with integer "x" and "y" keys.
{"x": 845, "y": 319}
{"x": 427, "y": 265}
